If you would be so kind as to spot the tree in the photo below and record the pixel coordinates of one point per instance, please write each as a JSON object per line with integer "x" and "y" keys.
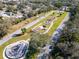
{"x": 58, "y": 4}
{"x": 3, "y": 30}
{"x": 5, "y": 23}
{"x": 11, "y": 8}
{"x": 38, "y": 40}
{"x": 1, "y": 5}
{"x": 17, "y": 21}
{"x": 68, "y": 43}
{"x": 23, "y": 30}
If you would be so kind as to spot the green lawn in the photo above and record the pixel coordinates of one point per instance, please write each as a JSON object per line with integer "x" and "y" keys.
{"x": 43, "y": 22}
{"x": 54, "y": 27}
{"x": 57, "y": 23}
{"x": 27, "y": 35}
{"x": 39, "y": 22}
{"x": 23, "y": 37}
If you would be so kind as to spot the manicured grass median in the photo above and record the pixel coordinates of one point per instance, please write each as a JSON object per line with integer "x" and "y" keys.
{"x": 57, "y": 23}
{"x": 27, "y": 35}
{"x": 23, "y": 37}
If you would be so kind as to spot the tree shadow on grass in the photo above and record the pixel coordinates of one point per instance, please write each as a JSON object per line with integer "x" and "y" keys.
{"x": 16, "y": 35}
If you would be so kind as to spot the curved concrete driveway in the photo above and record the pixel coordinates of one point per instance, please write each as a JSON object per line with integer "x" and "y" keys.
{"x": 5, "y": 39}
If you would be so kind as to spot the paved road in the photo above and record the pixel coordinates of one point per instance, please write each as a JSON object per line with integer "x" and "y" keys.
{"x": 5, "y": 39}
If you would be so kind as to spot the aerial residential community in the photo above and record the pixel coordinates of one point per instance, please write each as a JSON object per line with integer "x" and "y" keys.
{"x": 39, "y": 29}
